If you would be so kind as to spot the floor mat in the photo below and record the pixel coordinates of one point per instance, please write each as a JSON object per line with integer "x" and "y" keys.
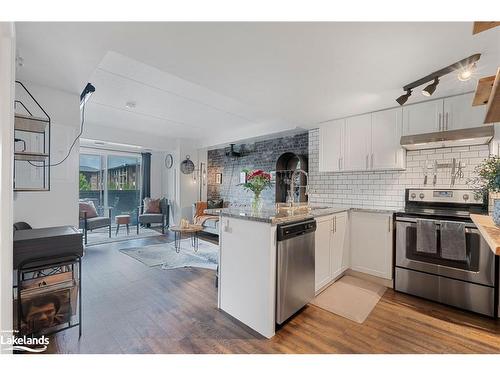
{"x": 350, "y": 297}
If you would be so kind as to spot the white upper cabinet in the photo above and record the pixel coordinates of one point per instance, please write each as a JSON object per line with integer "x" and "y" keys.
{"x": 423, "y": 118}
{"x": 372, "y": 141}
{"x": 331, "y": 146}
{"x": 451, "y": 113}
{"x": 458, "y": 113}
{"x": 387, "y": 152}
{"x": 358, "y": 142}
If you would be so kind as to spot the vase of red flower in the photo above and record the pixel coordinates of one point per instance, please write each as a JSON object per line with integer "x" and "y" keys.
{"x": 256, "y": 181}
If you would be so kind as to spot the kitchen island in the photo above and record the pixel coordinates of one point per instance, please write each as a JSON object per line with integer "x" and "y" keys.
{"x": 247, "y": 265}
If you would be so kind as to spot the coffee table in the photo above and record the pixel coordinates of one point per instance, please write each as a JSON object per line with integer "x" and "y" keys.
{"x": 191, "y": 231}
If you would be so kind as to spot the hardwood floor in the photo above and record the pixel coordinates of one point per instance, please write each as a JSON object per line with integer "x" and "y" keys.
{"x": 131, "y": 308}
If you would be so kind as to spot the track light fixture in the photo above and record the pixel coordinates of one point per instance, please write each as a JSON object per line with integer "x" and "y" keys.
{"x": 429, "y": 89}
{"x": 403, "y": 98}
{"x": 464, "y": 75}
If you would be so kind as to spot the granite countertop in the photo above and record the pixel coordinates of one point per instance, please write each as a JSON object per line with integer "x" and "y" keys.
{"x": 270, "y": 215}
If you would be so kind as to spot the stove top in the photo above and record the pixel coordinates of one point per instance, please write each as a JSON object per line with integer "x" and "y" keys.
{"x": 438, "y": 213}
{"x": 442, "y": 204}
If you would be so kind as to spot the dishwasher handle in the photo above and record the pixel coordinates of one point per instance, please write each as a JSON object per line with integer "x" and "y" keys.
{"x": 292, "y": 230}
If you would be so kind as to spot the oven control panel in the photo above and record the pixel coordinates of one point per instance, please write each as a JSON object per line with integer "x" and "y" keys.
{"x": 444, "y": 195}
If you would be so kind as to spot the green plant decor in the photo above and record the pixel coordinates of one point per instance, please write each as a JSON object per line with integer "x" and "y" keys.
{"x": 486, "y": 177}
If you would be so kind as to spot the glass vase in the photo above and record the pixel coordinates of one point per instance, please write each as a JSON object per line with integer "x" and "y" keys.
{"x": 256, "y": 203}
{"x": 496, "y": 211}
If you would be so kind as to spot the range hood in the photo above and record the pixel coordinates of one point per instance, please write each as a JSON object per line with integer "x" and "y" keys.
{"x": 480, "y": 135}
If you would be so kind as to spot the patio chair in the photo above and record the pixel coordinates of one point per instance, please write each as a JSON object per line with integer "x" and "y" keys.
{"x": 90, "y": 222}
{"x": 162, "y": 217}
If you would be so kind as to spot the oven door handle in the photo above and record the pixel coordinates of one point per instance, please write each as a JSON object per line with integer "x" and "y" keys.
{"x": 437, "y": 222}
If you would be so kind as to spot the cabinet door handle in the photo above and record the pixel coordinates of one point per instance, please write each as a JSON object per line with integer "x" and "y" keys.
{"x": 439, "y": 122}
{"x": 366, "y": 161}
{"x": 389, "y": 221}
{"x": 372, "y": 161}
{"x": 339, "y": 164}
{"x": 334, "y": 224}
{"x": 446, "y": 117}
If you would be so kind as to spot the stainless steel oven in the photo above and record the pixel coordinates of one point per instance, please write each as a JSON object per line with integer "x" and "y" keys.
{"x": 469, "y": 283}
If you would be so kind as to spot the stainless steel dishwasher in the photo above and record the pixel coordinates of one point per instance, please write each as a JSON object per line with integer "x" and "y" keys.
{"x": 295, "y": 267}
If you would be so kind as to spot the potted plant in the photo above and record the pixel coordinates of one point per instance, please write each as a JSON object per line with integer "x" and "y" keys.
{"x": 486, "y": 180}
{"x": 256, "y": 181}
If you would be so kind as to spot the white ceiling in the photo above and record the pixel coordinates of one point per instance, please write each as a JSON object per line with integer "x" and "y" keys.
{"x": 217, "y": 82}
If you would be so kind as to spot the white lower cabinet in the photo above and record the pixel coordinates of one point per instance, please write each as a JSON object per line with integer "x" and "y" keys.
{"x": 371, "y": 243}
{"x": 323, "y": 236}
{"x": 331, "y": 249}
{"x": 340, "y": 255}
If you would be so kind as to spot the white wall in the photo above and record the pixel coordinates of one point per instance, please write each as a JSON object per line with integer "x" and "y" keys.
{"x": 186, "y": 191}
{"x": 59, "y": 206}
{"x": 7, "y": 76}
{"x": 203, "y": 158}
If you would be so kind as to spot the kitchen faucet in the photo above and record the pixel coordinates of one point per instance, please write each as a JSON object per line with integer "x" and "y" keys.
{"x": 292, "y": 184}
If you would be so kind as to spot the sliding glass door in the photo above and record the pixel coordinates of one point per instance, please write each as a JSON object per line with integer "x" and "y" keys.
{"x": 111, "y": 179}
{"x": 91, "y": 179}
{"x": 123, "y": 184}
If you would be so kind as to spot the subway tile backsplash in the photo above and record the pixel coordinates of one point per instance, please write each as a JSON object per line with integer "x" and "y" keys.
{"x": 385, "y": 189}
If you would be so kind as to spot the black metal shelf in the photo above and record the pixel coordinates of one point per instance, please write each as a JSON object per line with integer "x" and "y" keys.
{"x": 34, "y": 159}
{"x": 37, "y": 268}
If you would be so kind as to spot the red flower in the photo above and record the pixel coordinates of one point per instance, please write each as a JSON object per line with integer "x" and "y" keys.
{"x": 255, "y": 173}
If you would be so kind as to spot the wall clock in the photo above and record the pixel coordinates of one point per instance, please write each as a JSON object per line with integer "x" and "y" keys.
{"x": 187, "y": 166}
{"x": 169, "y": 161}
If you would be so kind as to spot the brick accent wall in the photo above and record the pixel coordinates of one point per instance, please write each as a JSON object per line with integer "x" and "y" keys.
{"x": 385, "y": 189}
{"x": 260, "y": 155}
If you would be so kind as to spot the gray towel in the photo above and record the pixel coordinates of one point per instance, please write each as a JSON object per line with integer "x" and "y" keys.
{"x": 426, "y": 236}
{"x": 453, "y": 241}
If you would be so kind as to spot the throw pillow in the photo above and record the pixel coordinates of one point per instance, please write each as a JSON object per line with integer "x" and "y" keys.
{"x": 89, "y": 208}
{"x": 200, "y": 208}
{"x": 215, "y": 203}
{"x": 152, "y": 206}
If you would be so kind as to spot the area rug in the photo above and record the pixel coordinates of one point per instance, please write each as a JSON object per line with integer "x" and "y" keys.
{"x": 166, "y": 256}
{"x": 101, "y": 236}
{"x": 350, "y": 297}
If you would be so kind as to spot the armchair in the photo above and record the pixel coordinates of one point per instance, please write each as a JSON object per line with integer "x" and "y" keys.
{"x": 96, "y": 222}
{"x": 163, "y": 217}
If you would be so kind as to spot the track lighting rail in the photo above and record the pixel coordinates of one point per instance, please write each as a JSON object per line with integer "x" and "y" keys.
{"x": 429, "y": 90}
{"x": 441, "y": 72}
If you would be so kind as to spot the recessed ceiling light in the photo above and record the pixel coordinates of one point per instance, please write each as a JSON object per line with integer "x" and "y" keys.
{"x": 130, "y": 105}
{"x": 466, "y": 73}
{"x": 429, "y": 90}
